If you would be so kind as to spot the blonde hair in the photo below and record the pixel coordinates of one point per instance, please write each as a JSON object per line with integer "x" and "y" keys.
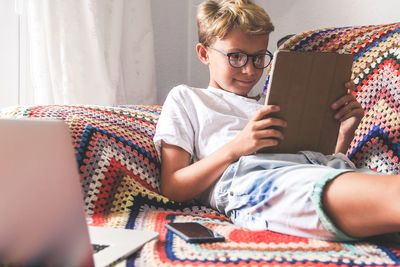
{"x": 217, "y": 18}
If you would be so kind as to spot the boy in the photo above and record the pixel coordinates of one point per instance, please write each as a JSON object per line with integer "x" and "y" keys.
{"x": 207, "y": 139}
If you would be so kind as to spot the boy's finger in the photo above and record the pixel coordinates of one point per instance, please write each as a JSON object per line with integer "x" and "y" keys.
{"x": 271, "y": 122}
{"x": 342, "y": 101}
{"x": 270, "y": 133}
{"x": 265, "y": 110}
{"x": 350, "y": 85}
{"x": 351, "y": 109}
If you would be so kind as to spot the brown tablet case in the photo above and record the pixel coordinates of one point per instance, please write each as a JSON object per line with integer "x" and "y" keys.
{"x": 304, "y": 85}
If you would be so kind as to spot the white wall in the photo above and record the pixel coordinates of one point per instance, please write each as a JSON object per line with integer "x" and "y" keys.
{"x": 171, "y": 43}
{"x": 293, "y": 16}
{"x": 176, "y": 32}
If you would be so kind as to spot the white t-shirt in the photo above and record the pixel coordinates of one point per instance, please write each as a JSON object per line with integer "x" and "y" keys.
{"x": 202, "y": 120}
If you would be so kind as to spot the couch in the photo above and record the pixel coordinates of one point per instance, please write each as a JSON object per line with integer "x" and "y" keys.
{"x": 120, "y": 170}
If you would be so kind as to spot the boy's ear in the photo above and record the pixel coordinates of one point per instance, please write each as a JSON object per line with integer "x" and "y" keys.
{"x": 202, "y": 53}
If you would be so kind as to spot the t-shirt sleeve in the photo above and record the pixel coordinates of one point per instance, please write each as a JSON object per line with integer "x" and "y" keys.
{"x": 174, "y": 125}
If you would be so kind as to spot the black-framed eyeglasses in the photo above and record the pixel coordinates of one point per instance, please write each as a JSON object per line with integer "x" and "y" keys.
{"x": 239, "y": 59}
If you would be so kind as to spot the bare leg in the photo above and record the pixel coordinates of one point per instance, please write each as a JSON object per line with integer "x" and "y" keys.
{"x": 363, "y": 205}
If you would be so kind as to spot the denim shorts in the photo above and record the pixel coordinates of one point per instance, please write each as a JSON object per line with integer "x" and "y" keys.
{"x": 282, "y": 193}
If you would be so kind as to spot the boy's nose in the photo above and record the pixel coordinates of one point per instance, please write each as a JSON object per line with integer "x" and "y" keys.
{"x": 249, "y": 67}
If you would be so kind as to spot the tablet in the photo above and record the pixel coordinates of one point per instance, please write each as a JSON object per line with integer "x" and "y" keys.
{"x": 304, "y": 85}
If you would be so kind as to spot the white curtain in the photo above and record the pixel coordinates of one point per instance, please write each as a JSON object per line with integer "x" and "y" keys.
{"x": 90, "y": 51}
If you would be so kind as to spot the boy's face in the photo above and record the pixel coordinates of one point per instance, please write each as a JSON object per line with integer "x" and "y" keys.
{"x": 236, "y": 80}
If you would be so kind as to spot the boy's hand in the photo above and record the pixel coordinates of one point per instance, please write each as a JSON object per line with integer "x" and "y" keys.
{"x": 349, "y": 112}
{"x": 259, "y": 132}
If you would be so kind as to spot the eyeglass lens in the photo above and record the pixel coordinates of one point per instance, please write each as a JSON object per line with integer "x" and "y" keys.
{"x": 240, "y": 59}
